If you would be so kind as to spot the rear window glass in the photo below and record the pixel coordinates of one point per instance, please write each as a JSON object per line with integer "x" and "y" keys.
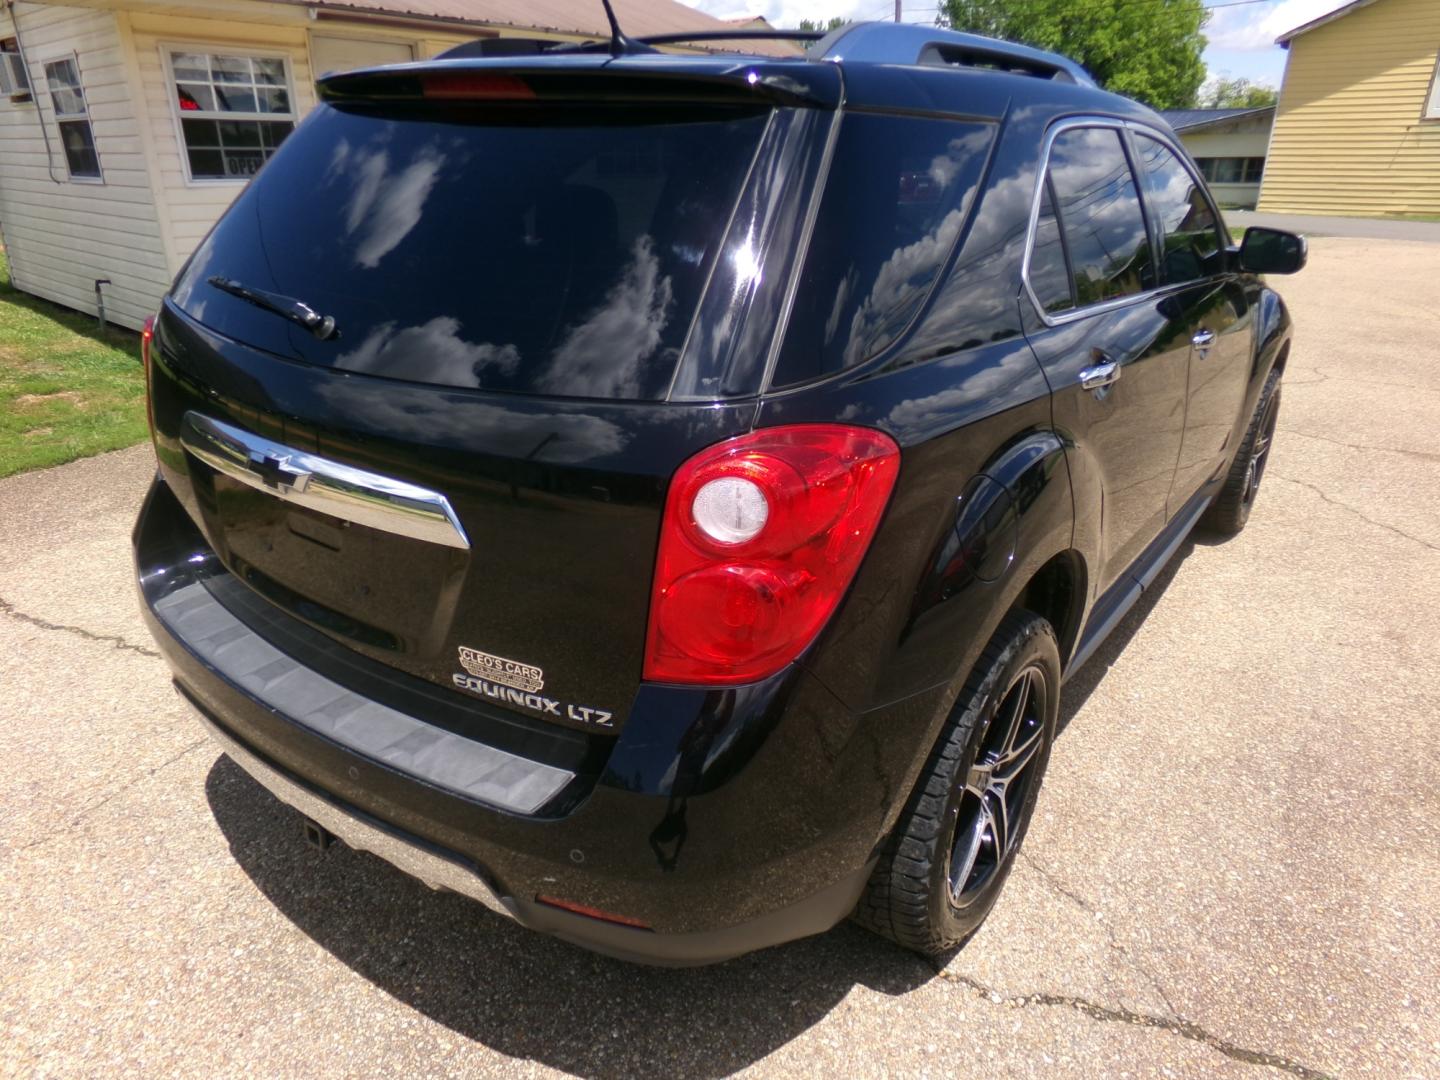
{"x": 560, "y": 257}
{"x": 897, "y": 195}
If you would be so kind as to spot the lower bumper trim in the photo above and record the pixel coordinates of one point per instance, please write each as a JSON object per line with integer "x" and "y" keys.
{"x": 433, "y": 869}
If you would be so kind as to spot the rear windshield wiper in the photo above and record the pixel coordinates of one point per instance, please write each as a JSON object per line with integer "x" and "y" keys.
{"x": 302, "y": 314}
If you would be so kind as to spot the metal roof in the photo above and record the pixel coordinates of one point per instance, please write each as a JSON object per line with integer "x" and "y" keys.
{"x": 1183, "y": 119}
{"x": 639, "y": 18}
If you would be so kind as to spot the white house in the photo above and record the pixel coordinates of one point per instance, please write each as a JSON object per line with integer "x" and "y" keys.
{"x": 1230, "y": 146}
{"x": 128, "y": 126}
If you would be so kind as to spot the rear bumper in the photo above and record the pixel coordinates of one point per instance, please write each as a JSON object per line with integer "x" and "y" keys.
{"x": 764, "y": 835}
{"x": 443, "y": 870}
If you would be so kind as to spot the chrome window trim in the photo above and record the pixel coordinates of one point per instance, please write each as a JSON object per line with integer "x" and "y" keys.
{"x": 1124, "y": 128}
{"x": 318, "y": 483}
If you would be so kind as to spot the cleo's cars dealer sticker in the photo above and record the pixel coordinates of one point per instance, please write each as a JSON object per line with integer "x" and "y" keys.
{"x": 520, "y": 684}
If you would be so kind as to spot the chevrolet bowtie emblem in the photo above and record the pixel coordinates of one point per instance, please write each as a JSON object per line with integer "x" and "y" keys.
{"x": 277, "y": 471}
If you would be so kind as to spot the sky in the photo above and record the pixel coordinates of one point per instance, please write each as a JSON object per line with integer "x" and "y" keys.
{"x": 1242, "y": 36}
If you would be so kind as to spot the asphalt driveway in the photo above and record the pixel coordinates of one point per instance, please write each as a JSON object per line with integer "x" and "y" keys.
{"x": 1234, "y": 869}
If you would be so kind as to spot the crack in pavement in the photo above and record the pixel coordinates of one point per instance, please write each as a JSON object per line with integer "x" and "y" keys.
{"x": 90, "y": 808}
{"x": 1184, "y": 1028}
{"x": 1371, "y": 382}
{"x": 1421, "y": 454}
{"x": 1054, "y": 882}
{"x": 1059, "y": 888}
{"x": 9, "y": 609}
{"x": 1357, "y": 513}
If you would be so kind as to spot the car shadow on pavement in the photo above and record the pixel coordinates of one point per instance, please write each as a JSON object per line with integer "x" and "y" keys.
{"x": 531, "y": 997}
{"x": 1082, "y": 684}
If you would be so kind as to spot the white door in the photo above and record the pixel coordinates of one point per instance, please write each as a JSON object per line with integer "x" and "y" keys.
{"x": 347, "y": 53}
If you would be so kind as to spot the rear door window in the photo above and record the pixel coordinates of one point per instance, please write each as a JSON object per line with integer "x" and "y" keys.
{"x": 560, "y": 255}
{"x": 1100, "y": 215}
{"x": 896, "y": 198}
{"x": 1190, "y": 236}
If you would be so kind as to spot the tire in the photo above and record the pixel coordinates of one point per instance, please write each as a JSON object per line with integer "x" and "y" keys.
{"x": 950, "y": 827}
{"x": 1230, "y": 511}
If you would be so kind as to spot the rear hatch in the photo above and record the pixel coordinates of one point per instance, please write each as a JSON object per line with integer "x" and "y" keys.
{"x": 458, "y": 466}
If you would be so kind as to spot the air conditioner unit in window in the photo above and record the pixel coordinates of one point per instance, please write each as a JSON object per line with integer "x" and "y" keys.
{"x": 14, "y": 82}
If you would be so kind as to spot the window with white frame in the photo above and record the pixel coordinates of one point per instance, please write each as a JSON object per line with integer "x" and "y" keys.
{"x": 72, "y": 118}
{"x": 234, "y": 111}
{"x": 1432, "y": 107}
{"x": 14, "y": 79}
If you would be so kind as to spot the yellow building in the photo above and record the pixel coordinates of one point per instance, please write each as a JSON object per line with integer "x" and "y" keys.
{"x": 1357, "y": 130}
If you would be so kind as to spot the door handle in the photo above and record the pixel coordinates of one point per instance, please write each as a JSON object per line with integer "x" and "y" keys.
{"x": 1099, "y": 375}
{"x": 1204, "y": 338}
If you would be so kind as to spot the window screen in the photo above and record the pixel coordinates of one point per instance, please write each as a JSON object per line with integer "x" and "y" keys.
{"x": 897, "y": 195}
{"x": 1100, "y": 213}
{"x": 234, "y": 111}
{"x": 72, "y": 118}
{"x": 1191, "y": 241}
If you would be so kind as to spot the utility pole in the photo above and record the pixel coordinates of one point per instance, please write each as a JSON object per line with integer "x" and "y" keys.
{"x": 897, "y": 10}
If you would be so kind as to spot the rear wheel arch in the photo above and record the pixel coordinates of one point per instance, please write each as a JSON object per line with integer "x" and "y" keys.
{"x": 1056, "y": 592}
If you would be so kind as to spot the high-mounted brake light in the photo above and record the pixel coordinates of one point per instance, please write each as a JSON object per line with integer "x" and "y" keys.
{"x": 147, "y": 340}
{"x": 761, "y": 537}
{"x": 475, "y": 86}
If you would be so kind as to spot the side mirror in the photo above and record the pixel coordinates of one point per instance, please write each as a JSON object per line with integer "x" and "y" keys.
{"x": 1272, "y": 251}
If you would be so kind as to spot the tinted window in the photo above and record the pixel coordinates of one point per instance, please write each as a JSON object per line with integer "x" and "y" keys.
{"x": 1049, "y": 271}
{"x": 1187, "y": 223}
{"x": 462, "y": 249}
{"x": 895, "y": 201}
{"x": 1100, "y": 212}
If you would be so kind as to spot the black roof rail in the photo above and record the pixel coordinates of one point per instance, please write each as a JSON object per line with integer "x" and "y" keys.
{"x": 737, "y": 35}
{"x": 498, "y": 46}
{"x": 869, "y": 42}
{"x": 536, "y": 46}
{"x": 907, "y": 43}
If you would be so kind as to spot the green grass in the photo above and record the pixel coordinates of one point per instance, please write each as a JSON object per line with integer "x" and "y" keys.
{"x": 66, "y": 390}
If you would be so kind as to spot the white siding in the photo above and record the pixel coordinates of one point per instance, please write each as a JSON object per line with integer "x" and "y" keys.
{"x": 189, "y": 208}
{"x": 61, "y": 237}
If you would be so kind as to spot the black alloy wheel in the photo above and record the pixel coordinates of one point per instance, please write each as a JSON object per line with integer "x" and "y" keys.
{"x": 942, "y": 868}
{"x": 997, "y": 787}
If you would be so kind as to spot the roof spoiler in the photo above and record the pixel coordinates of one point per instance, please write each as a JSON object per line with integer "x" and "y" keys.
{"x": 589, "y": 78}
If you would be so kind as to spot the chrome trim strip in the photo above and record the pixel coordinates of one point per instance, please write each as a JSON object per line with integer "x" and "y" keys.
{"x": 434, "y": 870}
{"x": 1122, "y": 126}
{"x": 317, "y": 483}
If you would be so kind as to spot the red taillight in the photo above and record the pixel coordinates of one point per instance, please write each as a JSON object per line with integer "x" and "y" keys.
{"x": 761, "y": 537}
{"x": 474, "y": 86}
{"x": 147, "y": 338}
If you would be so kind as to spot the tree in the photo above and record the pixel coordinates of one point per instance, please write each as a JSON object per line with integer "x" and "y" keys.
{"x": 1222, "y": 93}
{"x": 834, "y": 24}
{"x": 1145, "y": 49}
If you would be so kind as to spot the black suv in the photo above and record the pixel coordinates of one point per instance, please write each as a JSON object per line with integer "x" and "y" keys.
{"x": 661, "y": 496}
